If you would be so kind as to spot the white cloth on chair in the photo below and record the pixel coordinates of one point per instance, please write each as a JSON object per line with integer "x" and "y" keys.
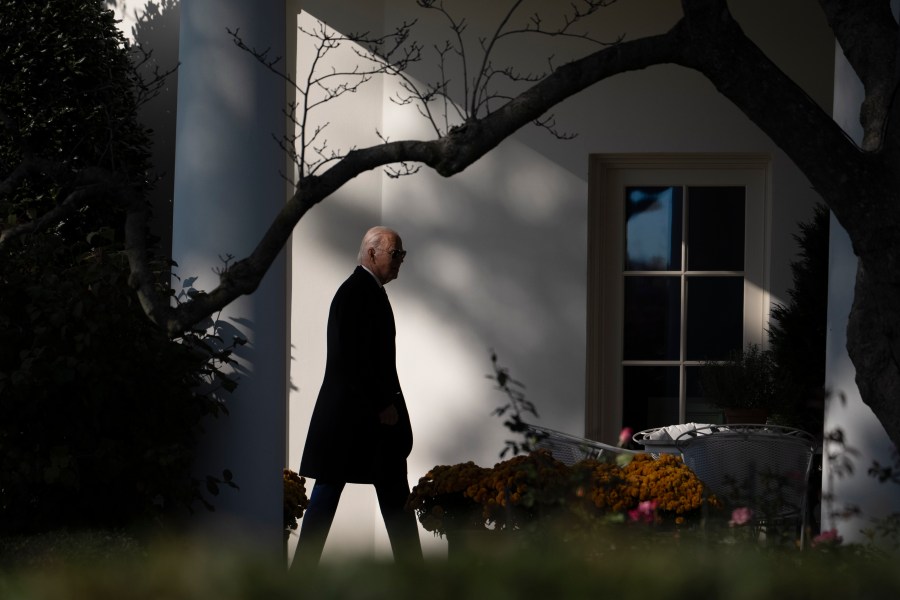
{"x": 671, "y": 432}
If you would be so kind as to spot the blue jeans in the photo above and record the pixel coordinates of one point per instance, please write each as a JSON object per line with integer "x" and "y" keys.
{"x": 402, "y": 527}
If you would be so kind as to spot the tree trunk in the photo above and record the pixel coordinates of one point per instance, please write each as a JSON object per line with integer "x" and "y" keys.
{"x": 873, "y": 340}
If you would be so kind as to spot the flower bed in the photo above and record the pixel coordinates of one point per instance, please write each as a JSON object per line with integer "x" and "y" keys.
{"x": 529, "y": 488}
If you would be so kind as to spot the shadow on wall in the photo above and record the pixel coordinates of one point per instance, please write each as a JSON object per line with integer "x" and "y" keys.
{"x": 504, "y": 278}
{"x": 485, "y": 276}
{"x": 497, "y": 260}
{"x": 154, "y": 28}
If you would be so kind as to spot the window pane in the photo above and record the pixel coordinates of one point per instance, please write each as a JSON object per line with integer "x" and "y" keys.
{"x": 652, "y": 318}
{"x": 715, "y": 231}
{"x": 715, "y": 313}
{"x": 650, "y": 397}
{"x": 653, "y": 228}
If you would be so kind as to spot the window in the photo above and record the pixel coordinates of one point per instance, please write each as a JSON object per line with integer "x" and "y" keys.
{"x": 677, "y": 272}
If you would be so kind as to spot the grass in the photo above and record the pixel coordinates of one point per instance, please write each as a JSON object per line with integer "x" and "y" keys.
{"x": 101, "y": 566}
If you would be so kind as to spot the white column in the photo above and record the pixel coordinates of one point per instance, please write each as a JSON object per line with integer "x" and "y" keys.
{"x": 227, "y": 189}
{"x": 845, "y": 410}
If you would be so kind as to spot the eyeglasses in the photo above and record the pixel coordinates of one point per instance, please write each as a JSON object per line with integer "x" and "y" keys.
{"x": 395, "y": 254}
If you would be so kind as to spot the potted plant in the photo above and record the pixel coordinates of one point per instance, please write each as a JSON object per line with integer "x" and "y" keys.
{"x": 743, "y": 385}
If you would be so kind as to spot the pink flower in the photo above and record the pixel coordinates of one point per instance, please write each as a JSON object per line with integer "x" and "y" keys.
{"x": 645, "y": 511}
{"x": 625, "y": 436}
{"x": 828, "y": 537}
{"x": 740, "y": 516}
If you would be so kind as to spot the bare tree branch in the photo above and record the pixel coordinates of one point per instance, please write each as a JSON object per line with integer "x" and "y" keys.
{"x": 708, "y": 40}
{"x": 148, "y": 89}
{"x": 861, "y": 185}
{"x": 714, "y": 44}
{"x": 478, "y": 89}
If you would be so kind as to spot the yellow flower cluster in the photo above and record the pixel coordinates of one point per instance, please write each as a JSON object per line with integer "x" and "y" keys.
{"x": 295, "y": 500}
{"x": 665, "y": 480}
{"x": 520, "y": 481}
{"x": 475, "y": 495}
{"x": 509, "y": 482}
{"x": 607, "y": 486}
{"x": 527, "y": 486}
{"x": 444, "y": 487}
{"x": 444, "y": 479}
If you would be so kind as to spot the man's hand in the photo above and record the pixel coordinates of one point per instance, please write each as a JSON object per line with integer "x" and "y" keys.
{"x": 389, "y": 416}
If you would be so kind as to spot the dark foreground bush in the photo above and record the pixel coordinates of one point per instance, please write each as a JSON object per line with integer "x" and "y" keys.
{"x": 190, "y": 570}
{"x": 99, "y": 410}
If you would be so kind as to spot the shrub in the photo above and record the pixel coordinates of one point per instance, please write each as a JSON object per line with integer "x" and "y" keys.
{"x": 664, "y": 571}
{"x": 99, "y": 410}
{"x": 745, "y": 379}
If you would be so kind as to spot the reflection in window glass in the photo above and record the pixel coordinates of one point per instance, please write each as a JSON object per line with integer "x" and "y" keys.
{"x": 715, "y": 229}
{"x": 652, "y": 318}
{"x": 649, "y": 397}
{"x": 715, "y": 317}
{"x": 697, "y": 408}
{"x": 653, "y": 228}
{"x": 679, "y": 311}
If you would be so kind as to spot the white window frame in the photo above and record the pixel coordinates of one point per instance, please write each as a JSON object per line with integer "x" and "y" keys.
{"x": 609, "y": 175}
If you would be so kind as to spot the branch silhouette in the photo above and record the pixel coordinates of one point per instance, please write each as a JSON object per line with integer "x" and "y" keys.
{"x": 472, "y": 113}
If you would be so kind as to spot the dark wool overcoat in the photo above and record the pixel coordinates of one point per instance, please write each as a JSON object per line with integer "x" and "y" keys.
{"x": 346, "y": 441}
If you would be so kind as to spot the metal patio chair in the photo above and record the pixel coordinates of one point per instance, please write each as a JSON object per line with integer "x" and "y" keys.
{"x": 569, "y": 449}
{"x": 764, "y": 468}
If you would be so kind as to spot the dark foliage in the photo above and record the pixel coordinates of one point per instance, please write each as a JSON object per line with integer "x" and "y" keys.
{"x": 745, "y": 380}
{"x": 99, "y": 410}
{"x": 513, "y": 411}
{"x": 787, "y": 379}
{"x": 798, "y": 329}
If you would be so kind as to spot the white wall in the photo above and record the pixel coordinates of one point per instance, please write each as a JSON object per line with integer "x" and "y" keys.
{"x": 498, "y": 253}
{"x": 323, "y": 254}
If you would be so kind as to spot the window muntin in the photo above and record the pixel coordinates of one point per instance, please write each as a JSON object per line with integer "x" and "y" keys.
{"x": 675, "y": 317}
{"x": 625, "y": 254}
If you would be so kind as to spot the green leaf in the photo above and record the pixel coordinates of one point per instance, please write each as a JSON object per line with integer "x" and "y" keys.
{"x": 623, "y": 460}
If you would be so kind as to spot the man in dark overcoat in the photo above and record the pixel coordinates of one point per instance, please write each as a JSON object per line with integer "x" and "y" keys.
{"x": 360, "y": 430}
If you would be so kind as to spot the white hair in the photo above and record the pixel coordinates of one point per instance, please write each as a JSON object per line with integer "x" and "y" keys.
{"x": 374, "y": 238}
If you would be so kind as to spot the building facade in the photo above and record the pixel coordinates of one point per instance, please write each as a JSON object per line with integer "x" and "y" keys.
{"x": 539, "y": 251}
